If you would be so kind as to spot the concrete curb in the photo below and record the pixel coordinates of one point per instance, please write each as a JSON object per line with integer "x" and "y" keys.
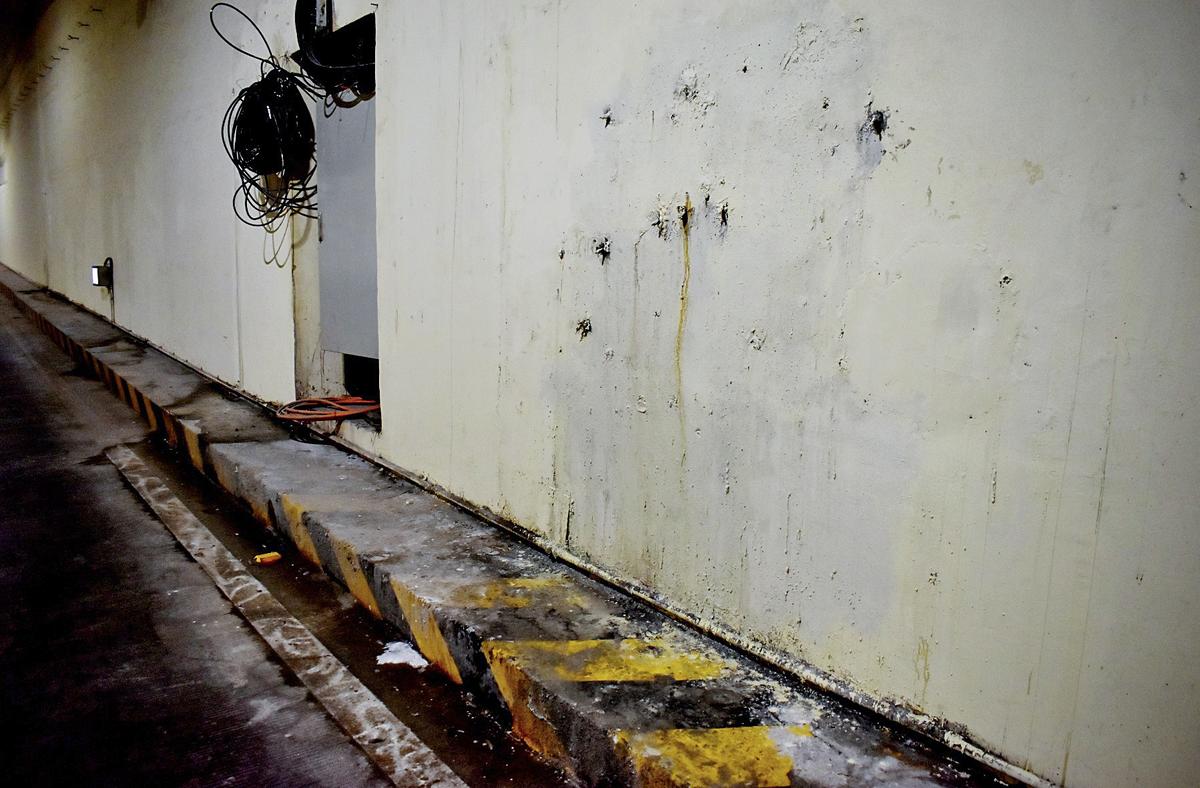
{"x": 387, "y": 742}
{"x": 613, "y": 691}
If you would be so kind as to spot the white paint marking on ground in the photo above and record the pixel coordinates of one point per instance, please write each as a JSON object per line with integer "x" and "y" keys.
{"x": 400, "y": 653}
{"x": 389, "y": 743}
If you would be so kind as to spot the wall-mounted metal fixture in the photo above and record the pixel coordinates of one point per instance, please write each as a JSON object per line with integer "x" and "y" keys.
{"x": 102, "y": 275}
{"x": 338, "y": 60}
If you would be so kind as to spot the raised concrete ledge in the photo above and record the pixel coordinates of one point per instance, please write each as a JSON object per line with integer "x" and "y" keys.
{"x": 608, "y": 688}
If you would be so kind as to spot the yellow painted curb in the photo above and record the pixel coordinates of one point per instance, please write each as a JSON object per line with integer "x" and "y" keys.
{"x": 293, "y": 519}
{"x": 352, "y": 574}
{"x": 517, "y": 690}
{"x": 425, "y": 631}
{"x": 191, "y": 437}
{"x": 133, "y": 397}
{"x": 610, "y": 660}
{"x": 150, "y": 417}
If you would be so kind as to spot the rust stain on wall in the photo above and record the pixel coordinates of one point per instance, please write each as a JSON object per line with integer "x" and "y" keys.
{"x": 685, "y": 215}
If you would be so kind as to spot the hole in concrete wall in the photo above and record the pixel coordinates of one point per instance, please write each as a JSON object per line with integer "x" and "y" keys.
{"x": 360, "y": 375}
{"x": 870, "y": 136}
{"x": 877, "y": 121}
{"x": 602, "y": 248}
{"x": 360, "y": 378}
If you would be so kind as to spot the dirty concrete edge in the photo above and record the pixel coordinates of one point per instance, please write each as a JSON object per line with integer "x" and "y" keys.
{"x": 940, "y": 730}
{"x": 184, "y": 437}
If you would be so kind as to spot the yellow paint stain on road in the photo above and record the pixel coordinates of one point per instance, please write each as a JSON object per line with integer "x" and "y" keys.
{"x": 611, "y": 660}
{"x": 425, "y": 630}
{"x": 709, "y": 757}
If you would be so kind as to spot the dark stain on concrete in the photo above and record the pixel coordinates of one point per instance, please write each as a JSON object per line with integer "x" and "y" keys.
{"x": 602, "y": 248}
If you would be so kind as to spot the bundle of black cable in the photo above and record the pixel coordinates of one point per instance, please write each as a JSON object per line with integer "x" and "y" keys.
{"x": 268, "y": 134}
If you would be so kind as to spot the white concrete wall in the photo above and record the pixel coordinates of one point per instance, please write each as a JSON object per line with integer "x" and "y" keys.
{"x": 925, "y": 415}
{"x": 117, "y": 152}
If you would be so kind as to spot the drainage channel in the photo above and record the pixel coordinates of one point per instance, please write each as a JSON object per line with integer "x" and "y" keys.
{"x": 446, "y": 719}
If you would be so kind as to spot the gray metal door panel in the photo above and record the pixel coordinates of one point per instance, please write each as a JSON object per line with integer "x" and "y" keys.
{"x": 346, "y": 199}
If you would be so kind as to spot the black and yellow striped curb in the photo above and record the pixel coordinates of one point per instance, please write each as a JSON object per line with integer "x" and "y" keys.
{"x": 604, "y": 686}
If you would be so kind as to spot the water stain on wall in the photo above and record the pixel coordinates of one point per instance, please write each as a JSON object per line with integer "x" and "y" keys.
{"x": 921, "y": 663}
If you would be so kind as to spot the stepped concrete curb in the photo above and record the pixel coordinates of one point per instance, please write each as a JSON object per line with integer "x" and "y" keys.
{"x": 610, "y": 689}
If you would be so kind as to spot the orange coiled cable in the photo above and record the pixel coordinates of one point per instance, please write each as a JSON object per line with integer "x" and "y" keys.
{"x": 326, "y": 409}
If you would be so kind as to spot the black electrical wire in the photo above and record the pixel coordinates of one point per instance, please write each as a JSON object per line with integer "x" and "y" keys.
{"x": 267, "y": 61}
{"x": 268, "y": 134}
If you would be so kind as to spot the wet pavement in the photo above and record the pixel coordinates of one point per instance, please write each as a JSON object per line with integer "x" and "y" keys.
{"x": 122, "y": 664}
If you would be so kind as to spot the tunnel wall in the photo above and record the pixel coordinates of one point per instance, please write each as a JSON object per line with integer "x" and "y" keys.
{"x": 911, "y": 395}
{"x": 865, "y": 333}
